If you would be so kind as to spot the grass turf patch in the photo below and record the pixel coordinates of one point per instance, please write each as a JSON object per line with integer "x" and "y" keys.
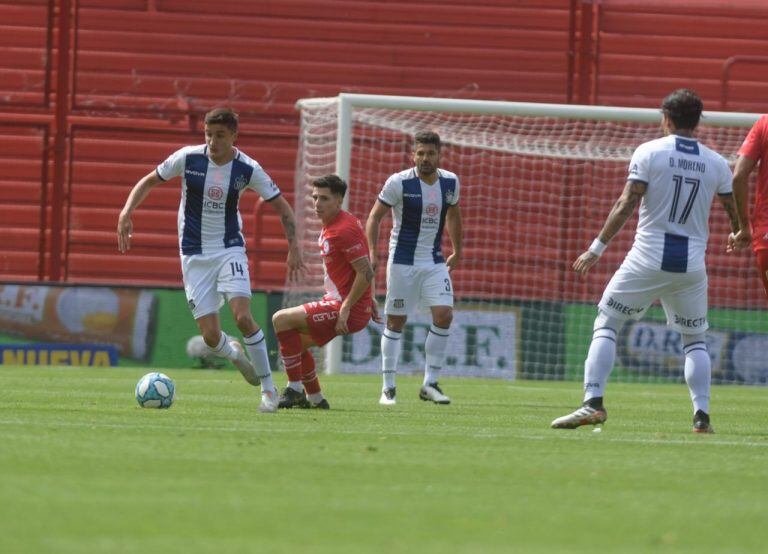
{"x": 83, "y": 468}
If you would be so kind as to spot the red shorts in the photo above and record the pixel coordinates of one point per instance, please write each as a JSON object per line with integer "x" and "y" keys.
{"x": 322, "y": 315}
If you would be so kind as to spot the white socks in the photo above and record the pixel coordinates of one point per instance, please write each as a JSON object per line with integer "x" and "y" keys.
{"x": 223, "y": 349}
{"x": 256, "y": 345}
{"x": 698, "y": 374}
{"x": 599, "y": 363}
{"x": 434, "y": 352}
{"x": 390, "y": 354}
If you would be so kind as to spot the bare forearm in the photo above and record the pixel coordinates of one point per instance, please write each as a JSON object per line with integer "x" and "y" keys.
{"x": 363, "y": 280}
{"x": 456, "y": 232}
{"x": 138, "y": 194}
{"x": 734, "y": 219}
{"x": 372, "y": 236}
{"x": 740, "y": 198}
{"x": 622, "y": 210}
{"x": 289, "y": 227}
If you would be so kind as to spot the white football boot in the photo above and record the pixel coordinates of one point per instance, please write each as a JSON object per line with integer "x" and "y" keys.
{"x": 269, "y": 401}
{"x": 586, "y": 415}
{"x": 244, "y": 365}
{"x": 432, "y": 392}
{"x": 388, "y": 397}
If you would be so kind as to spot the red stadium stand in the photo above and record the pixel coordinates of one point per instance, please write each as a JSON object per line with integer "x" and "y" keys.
{"x": 144, "y": 71}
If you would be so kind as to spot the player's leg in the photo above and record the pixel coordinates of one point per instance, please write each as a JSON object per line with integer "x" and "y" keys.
{"x": 628, "y": 294}
{"x": 256, "y": 346}
{"x": 597, "y": 368}
{"x": 234, "y": 282}
{"x": 437, "y": 293}
{"x": 400, "y": 297}
{"x": 200, "y": 286}
{"x": 292, "y": 333}
{"x": 391, "y": 346}
{"x": 686, "y": 309}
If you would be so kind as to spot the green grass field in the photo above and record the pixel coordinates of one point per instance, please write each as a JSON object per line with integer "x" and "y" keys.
{"x": 84, "y": 469}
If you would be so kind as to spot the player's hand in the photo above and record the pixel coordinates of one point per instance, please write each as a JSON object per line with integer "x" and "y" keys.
{"x": 124, "y": 233}
{"x": 738, "y": 241}
{"x": 585, "y": 262}
{"x": 296, "y": 266}
{"x": 452, "y": 261}
{"x": 375, "y": 315}
{"x": 341, "y": 321}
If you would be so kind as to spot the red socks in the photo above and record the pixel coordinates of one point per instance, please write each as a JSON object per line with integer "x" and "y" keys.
{"x": 298, "y": 366}
{"x": 290, "y": 352}
{"x": 308, "y": 375}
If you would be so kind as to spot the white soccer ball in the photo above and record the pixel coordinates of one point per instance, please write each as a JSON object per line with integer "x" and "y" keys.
{"x": 155, "y": 390}
{"x": 197, "y": 350}
{"x": 196, "y": 347}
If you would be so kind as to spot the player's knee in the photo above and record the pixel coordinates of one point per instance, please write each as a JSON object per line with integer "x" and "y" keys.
{"x": 396, "y": 322}
{"x": 604, "y": 320}
{"x": 442, "y": 318}
{"x": 278, "y": 318}
{"x": 698, "y": 338}
{"x": 245, "y": 322}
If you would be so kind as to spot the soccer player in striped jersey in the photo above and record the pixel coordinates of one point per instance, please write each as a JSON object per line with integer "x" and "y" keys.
{"x": 753, "y": 150}
{"x": 423, "y": 200}
{"x": 346, "y": 307}
{"x": 674, "y": 180}
{"x": 213, "y": 259}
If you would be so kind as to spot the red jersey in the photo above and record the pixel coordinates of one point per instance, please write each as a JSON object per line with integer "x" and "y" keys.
{"x": 755, "y": 146}
{"x": 342, "y": 242}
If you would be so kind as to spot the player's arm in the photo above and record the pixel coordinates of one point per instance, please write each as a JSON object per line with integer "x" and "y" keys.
{"x": 622, "y": 210}
{"x": 363, "y": 278}
{"x": 742, "y": 235}
{"x": 137, "y": 195}
{"x": 728, "y": 202}
{"x": 372, "y": 225}
{"x": 456, "y": 234}
{"x": 288, "y": 221}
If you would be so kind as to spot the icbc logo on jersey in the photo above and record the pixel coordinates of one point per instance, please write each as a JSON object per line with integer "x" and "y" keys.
{"x": 215, "y": 193}
{"x": 431, "y": 210}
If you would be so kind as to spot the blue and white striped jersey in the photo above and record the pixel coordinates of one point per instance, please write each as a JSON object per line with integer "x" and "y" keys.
{"x": 418, "y": 211}
{"x": 209, "y": 220}
{"x": 683, "y": 177}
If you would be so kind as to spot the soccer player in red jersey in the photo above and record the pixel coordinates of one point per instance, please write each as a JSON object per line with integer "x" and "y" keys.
{"x": 753, "y": 150}
{"x": 346, "y": 307}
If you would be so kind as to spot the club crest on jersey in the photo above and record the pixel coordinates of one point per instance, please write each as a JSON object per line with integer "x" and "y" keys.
{"x": 240, "y": 182}
{"x": 215, "y": 193}
{"x": 326, "y": 247}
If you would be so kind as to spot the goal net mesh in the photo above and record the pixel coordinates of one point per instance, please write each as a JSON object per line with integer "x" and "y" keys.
{"x": 535, "y": 192}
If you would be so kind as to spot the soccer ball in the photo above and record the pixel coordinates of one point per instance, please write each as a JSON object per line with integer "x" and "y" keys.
{"x": 155, "y": 390}
{"x": 198, "y": 351}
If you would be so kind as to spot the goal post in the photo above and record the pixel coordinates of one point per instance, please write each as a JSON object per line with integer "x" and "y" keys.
{"x": 537, "y": 183}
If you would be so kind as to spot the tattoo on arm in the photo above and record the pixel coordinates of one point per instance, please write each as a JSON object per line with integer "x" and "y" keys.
{"x": 623, "y": 209}
{"x": 730, "y": 209}
{"x": 289, "y": 225}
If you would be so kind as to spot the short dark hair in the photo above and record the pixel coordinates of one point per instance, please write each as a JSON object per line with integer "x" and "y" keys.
{"x": 683, "y": 106}
{"x": 333, "y": 182}
{"x": 426, "y": 137}
{"x": 222, "y": 116}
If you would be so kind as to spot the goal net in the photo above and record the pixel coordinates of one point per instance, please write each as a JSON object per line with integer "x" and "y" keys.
{"x": 537, "y": 183}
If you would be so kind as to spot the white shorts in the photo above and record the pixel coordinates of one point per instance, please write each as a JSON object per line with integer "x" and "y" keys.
{"x": 683, "y": 296}
{"x": 208, "y": 278}
{"x": 411, "y": 287}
